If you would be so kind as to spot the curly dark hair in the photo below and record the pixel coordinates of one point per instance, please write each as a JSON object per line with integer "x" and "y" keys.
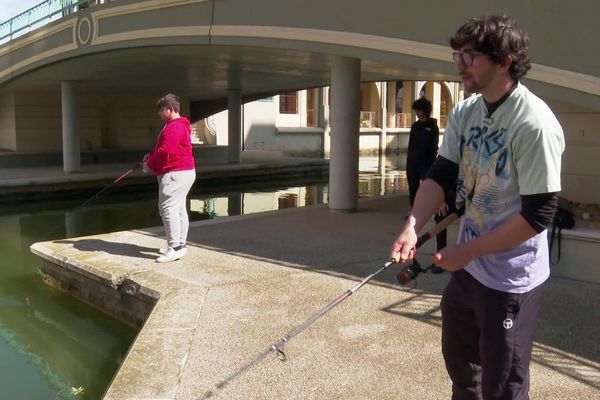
{"x": 497, "y": 36}
{"x": 422, "y": 104}
{"x": 169, "y": 101}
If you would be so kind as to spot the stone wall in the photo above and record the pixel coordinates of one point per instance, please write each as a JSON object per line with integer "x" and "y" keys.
{"x": 580, "y": 167}
{"x": 124, "y": 122}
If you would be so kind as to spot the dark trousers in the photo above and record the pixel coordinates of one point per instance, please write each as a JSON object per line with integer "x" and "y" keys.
{"x": 415, "y": 172}
{"x": 487, "y": 338}
{"x": 441, "y": 238}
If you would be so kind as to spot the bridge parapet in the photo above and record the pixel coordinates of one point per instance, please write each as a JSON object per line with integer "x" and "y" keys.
{"x": 37, "y": 16}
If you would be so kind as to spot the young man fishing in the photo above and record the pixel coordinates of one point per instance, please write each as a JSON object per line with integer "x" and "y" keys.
{"x": 502, "y": 152}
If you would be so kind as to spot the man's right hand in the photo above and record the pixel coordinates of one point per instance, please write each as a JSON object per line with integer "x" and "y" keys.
{"x": 145, "y": 164}
{"x": 403, "y": 248}
{"x": 443, "y": 210}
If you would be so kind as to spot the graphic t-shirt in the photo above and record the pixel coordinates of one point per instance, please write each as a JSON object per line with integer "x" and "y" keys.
{"x": 515, "y": 151}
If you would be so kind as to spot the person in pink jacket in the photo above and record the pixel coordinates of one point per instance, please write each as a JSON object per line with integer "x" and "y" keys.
{"x": 173, "y": 163}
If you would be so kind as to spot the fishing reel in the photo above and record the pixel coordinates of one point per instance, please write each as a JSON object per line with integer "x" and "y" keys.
{"x": 409, "y": 273}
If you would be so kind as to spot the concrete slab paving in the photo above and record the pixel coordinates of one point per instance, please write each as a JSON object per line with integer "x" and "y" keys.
{"x": 247, "y": 281}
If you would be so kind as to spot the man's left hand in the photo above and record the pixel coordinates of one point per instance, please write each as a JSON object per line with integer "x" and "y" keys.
{"x": 454, "y": 257}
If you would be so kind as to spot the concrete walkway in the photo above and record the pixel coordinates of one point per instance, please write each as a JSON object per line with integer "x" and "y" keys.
{"x": 249, "y": 280}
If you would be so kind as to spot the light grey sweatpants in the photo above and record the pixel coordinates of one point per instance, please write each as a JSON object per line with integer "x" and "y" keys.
{"x": 173, "y": 188}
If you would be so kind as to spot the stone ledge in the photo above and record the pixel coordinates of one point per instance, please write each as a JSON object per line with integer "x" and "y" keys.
{"x": 167, "y": 308}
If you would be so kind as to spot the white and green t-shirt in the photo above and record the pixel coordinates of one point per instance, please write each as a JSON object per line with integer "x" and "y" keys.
{"x": 515, "y": 151}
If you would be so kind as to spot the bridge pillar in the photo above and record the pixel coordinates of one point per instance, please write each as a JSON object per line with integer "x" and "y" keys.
{"x": 434, "y": 94}
{"x": 70, "y": 127}
{"x": 234, "y": 105}
{"x": 324, "y": 113}
{"x": 383, "y": 118}
{"x": 345, "y": 114}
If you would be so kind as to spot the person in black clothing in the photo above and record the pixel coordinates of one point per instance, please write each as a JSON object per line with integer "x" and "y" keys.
{"x": 422, "y": 146}
{"x": 445, "y": 209}
{"x": 422, "y": 151}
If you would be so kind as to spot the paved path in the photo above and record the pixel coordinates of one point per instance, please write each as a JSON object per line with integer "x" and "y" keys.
{"x": 249, "y": 280}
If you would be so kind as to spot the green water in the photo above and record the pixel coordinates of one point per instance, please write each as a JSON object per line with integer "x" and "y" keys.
{"x": 51, "y": 344}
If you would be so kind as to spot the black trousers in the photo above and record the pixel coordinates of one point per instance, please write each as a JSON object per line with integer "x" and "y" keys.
{"x": 442, "y": 237}
{"x": 487, "y": 338}
{"x": 415, "y": 172}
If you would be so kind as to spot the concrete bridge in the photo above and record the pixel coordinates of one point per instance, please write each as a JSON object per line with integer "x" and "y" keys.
{"x": 91, "y": 77}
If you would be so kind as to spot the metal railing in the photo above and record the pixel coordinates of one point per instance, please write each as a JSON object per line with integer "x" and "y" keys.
{"x": 399, "y": 120}
{"x": 39, "y": 15}
{"x": 367, "y": 119}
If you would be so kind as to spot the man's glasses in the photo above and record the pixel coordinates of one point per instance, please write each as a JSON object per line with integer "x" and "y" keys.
{"x": 466, "y": 57}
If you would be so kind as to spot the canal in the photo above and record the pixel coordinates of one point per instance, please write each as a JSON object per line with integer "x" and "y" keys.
{"x": 53, "y": 347}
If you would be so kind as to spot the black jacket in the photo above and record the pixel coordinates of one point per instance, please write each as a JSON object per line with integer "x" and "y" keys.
{"x": 423, "y": 141}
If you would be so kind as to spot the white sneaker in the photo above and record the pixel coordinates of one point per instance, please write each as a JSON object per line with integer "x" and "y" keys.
{"x": 163, "y": 250}
{"x": 172, "y": 255}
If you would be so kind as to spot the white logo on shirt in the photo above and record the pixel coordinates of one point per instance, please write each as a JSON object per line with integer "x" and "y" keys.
{"x": 507, "y": 323}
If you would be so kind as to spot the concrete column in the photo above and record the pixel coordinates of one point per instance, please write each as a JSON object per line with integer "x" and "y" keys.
{"x": 324, "y": 121}
{"x": 434, "y": 94}
{"x": 409, "y": 89}
{"x": 73, "y": 224}
{"x": 383, "y": 113}
{"x": 391, "y": 104}
{"x": 459, "y": 93}
{"x": 234, "y": 105}
{"x": 70, "y": 127}
{"x": 235, "y": 204}
{"x": 345, "y": 114}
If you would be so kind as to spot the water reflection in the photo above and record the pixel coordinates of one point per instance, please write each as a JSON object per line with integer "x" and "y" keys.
{"x": 382, "y": 175}
{"x": 50, "y": 343}
{"x": 378, "y": 176}
{"x": 241, "y": 203}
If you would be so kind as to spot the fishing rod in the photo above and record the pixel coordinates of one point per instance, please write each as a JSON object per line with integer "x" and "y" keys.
{"x": 96, "y": 196}
{"x": 277, "y": 346}
{"x": 110, "y": 185}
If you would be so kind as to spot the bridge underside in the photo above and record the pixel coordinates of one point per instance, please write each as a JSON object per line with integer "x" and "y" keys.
{"x": 203, "y": 72}
{"x": 202, "y": 48}
{"x": 206, "y": 50}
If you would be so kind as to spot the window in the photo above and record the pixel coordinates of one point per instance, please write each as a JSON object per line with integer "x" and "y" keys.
{"x": 288, "y": 103}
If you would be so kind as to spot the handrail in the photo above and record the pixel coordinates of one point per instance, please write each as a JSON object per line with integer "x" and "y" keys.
{"x": 41, "y": 12}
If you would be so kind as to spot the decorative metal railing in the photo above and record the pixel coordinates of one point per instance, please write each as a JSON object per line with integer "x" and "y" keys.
{"x": 367, "y": 119}
{"x": 39, "y": 15}
{"x": 399, "y": 120}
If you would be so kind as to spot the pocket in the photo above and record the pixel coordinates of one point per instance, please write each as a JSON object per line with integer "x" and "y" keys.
{"x": 168, "y": 184}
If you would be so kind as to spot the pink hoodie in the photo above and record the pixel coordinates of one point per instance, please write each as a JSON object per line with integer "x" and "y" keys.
{"x": 173, "y": 150}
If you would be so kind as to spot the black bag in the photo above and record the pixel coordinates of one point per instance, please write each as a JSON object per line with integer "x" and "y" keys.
{"x": 563, "y": 219}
